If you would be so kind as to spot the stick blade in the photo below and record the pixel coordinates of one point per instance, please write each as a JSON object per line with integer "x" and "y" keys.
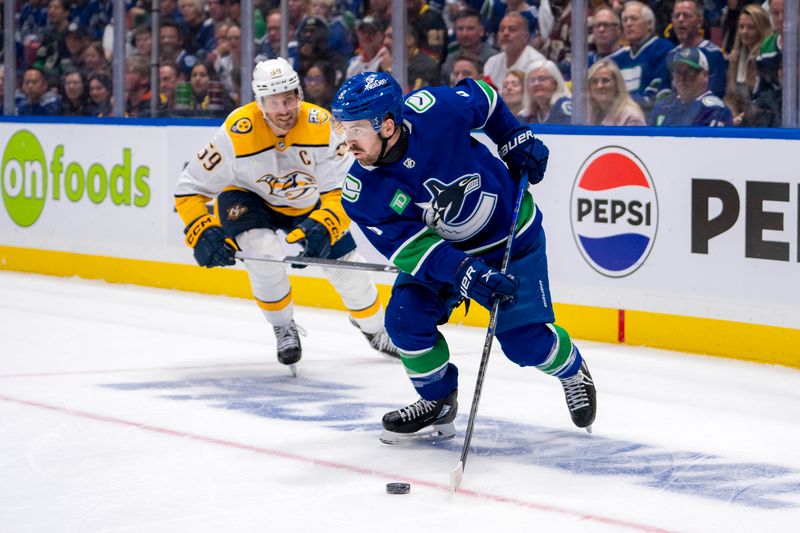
{"x": 456, "y": 475}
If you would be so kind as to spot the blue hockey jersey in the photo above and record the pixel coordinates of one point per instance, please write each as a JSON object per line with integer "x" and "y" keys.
{"x": 447, "y": 197}
{"x": 705, "y": 110}
{"x": 645, "y": 71}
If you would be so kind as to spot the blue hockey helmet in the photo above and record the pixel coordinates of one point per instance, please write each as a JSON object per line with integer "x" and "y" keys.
{"x": 369, "y": 96}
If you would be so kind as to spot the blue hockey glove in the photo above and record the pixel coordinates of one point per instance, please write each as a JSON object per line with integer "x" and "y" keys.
{"x": 206, "y": 238}
{"x": 524, "y": 154}
{"x": 476, "y": 280}
{"x": 315, "y": 238}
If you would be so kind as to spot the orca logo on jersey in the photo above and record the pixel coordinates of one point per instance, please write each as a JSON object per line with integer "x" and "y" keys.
{"x": 293, "y": 186}
{"x": 243, "y": 125}
{"x": 614, "y": 211}
{"x": 445, "y": 213}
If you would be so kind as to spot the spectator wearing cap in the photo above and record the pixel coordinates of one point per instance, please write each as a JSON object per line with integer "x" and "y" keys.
{"x": 687, "y": 23}
{"x": 692, "y": 104}
{"x": 427, "y": 17}
{"x": 370, "y": 33}
{"x": 422, "y": 69}
{"x": 470, "y": 33}
{"x": 312, "y": 46}
{"x": 171, "y": 42}
{"x": 513, "y": 37}
{"x": 742, "y": 77}
{"x": 380, "y": 9}
{"x": 643, "y": 62}
{"x": 76, "y": 41}
{"x": 34, "y": 98}
{"x": 99, "y": 95}
{"x": 464, "y": 66}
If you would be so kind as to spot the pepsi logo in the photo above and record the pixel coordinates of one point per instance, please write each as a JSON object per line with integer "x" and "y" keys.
{"x": 614, "y": 211}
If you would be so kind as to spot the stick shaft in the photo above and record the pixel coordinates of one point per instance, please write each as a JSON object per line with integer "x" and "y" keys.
{"x": 320, "y": 262}
{"x": 487, "y": 344}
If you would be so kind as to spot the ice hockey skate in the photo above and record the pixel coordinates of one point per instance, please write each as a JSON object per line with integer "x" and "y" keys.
{"x": 289, "y": 349}
{"x": 423, "y": 420}
{"x": 581, "y": 397}
{"x": 380, "y": 341}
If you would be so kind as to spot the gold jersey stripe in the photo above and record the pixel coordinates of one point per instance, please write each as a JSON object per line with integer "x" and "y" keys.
{"x": 367, "y": 311}
{"x": 275, "y": 306}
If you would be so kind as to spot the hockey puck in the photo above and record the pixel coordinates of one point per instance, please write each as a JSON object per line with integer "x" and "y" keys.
{"x": 398, "y": 488}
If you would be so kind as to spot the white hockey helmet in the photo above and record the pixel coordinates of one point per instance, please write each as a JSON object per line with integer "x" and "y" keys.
{"x": 274, "y": 76}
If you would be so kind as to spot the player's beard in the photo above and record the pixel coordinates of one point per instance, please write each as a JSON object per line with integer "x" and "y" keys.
{"x": 365, "y": 158}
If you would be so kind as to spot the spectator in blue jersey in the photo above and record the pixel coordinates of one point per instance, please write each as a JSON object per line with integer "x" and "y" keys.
{"x": 549, "y": 100}
{"x": 340, "y": 29}
{"x": 687, "y": 23}
{"x": 609, "y": 102}
{"x": 692, "y": 104}
{"x": 644, "y": 61}
{"x": 35, "y": 98}
{"x": 754, "y": 27}
{"x": 469, "y": 33}
{"x": 97, "y": 14}
{"x": 198, "y": 37}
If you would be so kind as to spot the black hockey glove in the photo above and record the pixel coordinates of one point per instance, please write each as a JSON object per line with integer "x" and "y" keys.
{"x": 315, "y": 238}
{"x": 482, "y": 283}
{"x": 206, "y": 238}
{"x": 524, "y": 154}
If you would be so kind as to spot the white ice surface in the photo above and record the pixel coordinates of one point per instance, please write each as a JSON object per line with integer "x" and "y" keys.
{"x": 124, "y": 409}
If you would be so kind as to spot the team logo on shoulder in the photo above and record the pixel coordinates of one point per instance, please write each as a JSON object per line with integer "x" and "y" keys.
{"x": 420, "y": 101}
{"x": 243, "y": 125}
{"x": 409, "y": 163}
{"x": 236, "y": 211}
{"x": 318, "y": 116}
{"x": 446, "y": 213}
{"x": 293, "y": 186}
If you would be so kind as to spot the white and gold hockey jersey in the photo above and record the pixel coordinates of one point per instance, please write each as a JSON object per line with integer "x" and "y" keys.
{"x": 290, "y": 173}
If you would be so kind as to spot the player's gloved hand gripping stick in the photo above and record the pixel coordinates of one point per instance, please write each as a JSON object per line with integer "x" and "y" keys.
{"x": 208, "y": 242}
{"x": 499, "y": 291}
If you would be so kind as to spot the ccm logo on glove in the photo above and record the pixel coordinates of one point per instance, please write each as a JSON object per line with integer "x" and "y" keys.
{"x": 516, "y": 141}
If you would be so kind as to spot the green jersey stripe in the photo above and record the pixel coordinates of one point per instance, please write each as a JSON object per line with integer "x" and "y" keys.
{"x": 412, "y": 253}
{"x": 491, "y": 95}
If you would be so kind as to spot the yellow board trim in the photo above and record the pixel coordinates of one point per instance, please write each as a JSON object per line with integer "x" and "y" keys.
{"x": 736, "y": 340}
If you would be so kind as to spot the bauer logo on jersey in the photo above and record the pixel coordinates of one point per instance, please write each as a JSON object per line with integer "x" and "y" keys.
{"x": 459, "y": 209}
{"x": 614, "y": 211}
{"x": 295, "y": 185}
{"x": 243, "y": 125}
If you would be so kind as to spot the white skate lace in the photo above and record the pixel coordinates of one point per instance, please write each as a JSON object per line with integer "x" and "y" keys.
{"x": 575, "y": 391}
{"x": 287, "y": 335}
{"x": 418, "y": 408}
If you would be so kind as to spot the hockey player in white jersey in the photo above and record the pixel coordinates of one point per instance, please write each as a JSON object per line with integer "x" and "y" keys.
{"x": 276, "y": 164}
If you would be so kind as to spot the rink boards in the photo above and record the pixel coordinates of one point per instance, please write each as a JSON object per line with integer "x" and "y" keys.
{"x": 678, "y": 242}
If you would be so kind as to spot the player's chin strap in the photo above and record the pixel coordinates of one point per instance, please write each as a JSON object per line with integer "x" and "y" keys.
{"x": 393, "y": 154}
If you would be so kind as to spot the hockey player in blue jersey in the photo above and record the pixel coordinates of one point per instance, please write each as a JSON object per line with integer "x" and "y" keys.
{"x": 438, "y": 204}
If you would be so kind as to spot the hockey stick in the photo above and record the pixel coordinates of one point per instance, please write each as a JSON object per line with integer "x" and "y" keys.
{"x": 457, "y": 474}
{"x": 318, "y": 261}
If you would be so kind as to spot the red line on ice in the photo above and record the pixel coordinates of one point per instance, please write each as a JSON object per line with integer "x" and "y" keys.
{"x": 340, "y": 466}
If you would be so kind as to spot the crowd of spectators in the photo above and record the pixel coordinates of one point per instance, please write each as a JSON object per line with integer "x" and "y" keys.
{"x": 665, "y": 62}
